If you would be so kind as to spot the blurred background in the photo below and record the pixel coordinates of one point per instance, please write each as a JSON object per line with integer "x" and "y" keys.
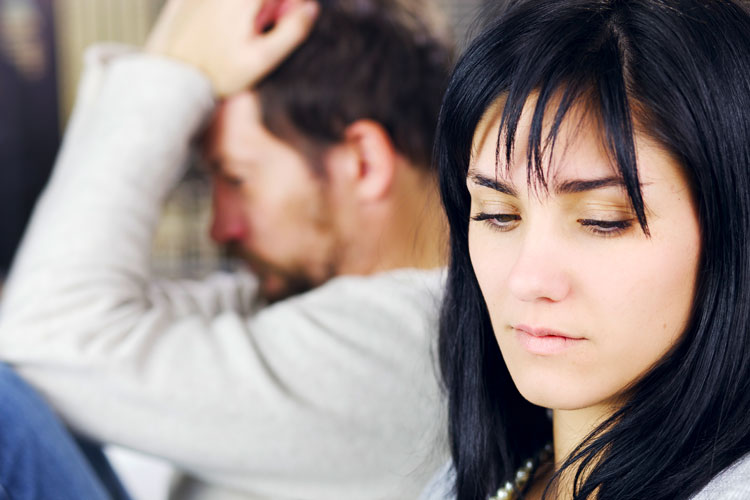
{"x": 41, "y": 53}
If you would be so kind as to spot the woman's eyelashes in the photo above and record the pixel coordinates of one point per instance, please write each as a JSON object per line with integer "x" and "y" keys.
{"x": 606, "y": 227}
{"x": 600, "y": 227}
{"x": 498, "y": 222}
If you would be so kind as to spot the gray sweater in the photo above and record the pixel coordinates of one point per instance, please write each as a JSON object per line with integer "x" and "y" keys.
{"x": 731, "y": 484}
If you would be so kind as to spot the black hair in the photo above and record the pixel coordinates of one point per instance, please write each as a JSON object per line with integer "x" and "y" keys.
{"x": 383, "y": 60}
{"x": 677, "y": 71}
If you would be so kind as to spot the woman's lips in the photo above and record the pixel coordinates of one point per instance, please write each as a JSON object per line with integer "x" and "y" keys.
{"x": 544, "y": 341}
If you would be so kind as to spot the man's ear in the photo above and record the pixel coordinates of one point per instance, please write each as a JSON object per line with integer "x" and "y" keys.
{"x": 373, "y": 159}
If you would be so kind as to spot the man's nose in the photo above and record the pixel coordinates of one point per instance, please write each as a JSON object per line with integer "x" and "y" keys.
{"x": 228, "y": 223}
{"x": 539, "y": 273}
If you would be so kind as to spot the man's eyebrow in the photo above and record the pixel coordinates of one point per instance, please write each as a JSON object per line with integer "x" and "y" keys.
{"x": 495, "y": 184}
{"x": 580, "y": 186}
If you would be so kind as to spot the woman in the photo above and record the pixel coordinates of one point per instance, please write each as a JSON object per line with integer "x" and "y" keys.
{"x": 595, "y": 168}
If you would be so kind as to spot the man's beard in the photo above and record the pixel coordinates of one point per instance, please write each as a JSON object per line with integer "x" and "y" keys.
{"x": 275, "y": 282}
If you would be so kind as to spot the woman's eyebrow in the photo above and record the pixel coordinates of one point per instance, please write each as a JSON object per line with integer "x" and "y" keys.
{"x": 566, "y": 187}
{"x": 495, "y": 184}
{"x": 583, "y": 185}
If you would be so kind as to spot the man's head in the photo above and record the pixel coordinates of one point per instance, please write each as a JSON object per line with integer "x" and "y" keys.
{"x": 309, "y": 165}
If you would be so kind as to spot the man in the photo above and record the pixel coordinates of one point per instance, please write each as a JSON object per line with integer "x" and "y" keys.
{"x": 321, "y": 182}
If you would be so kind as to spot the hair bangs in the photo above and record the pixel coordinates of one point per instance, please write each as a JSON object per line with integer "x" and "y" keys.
{"x": 573, "y": 85}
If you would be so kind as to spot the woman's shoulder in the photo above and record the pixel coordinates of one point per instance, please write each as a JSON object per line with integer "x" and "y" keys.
{"x": 733, "y": 483}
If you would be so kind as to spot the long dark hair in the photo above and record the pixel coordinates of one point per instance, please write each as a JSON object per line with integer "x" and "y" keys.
{"x": 677, "y": 71}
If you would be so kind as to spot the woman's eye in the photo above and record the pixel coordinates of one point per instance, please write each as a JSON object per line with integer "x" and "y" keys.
{"x": 606, "y": 227}
{"x": 502, "y": 222}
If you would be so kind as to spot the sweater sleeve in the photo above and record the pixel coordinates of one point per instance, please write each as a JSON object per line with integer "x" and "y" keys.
{"x": 328, "y": 395}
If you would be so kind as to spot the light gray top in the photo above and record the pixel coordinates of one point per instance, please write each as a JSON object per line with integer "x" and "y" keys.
{"x": 731, "y": 484}
{"x": 329, "y": 395}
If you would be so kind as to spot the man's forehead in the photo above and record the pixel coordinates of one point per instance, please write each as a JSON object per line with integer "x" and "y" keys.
{"x": 239, "y": 135}
{"x": 236, "y": 127}
{"x": 242, "y": 106}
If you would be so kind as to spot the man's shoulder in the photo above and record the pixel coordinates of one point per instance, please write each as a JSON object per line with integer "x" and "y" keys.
{"x": 413, "y": 279}
{"x": 394, "y": 303}
{"x": 406, "y": 286}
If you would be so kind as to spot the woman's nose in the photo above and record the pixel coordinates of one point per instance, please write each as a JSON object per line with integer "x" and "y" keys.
{"x": 538, "y": 273}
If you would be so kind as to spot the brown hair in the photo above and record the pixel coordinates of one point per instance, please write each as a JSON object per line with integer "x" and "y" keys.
{"x": 365, "y": 59}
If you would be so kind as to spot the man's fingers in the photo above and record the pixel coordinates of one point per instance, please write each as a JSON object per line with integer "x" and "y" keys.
{"x": 269, "y": 12}
{"x": 234, "y": 42}
{"x": 288, "y": 32}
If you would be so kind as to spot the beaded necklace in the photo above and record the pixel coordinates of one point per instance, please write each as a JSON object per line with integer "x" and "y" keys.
{"x": 512, "y": 491}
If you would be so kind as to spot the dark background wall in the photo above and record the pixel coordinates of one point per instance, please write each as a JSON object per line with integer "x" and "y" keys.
{"x": 29, "y": 121}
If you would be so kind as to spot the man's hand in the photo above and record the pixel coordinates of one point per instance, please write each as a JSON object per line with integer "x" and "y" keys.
{"x": 234, "y": 42}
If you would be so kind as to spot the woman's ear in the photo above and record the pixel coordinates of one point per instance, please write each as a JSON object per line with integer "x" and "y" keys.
{"x": 373, "y": 160}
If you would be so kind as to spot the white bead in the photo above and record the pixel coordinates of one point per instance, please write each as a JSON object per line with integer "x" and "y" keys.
{"x": 502, "y": 495}
{"x": 507, "y": 492}
{"x": 522, "y": 474}
{"x": 521, "y": 477}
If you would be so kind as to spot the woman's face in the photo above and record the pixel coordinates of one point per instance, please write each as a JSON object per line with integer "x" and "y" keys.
{"x": 582, "y": 302}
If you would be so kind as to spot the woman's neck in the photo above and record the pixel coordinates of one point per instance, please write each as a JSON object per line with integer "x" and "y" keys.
{"x": 569, "y": 429}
